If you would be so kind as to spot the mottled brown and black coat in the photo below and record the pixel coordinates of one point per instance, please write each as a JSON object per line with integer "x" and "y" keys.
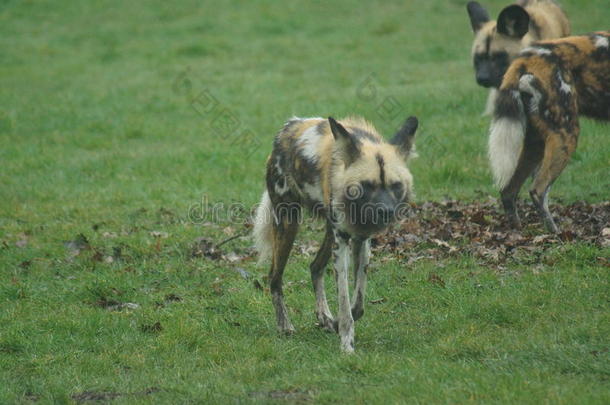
{"x": 535, "y": 126}
{"x": 345, "y": 173}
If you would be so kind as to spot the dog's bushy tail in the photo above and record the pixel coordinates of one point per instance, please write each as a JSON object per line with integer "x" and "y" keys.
{"x": 262, "y": 232}
{"x": 506, "y": 135}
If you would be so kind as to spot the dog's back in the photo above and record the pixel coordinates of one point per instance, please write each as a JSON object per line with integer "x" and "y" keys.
{"x": 549, "y": 72}
{"x": 301, "y": 162}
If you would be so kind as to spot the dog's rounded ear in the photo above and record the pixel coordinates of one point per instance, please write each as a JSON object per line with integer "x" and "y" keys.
{"x": 513, "y": 21}
{"x": 478, "y": 15}
{"x": 346, "y": 144}
{"x": 403, "y": 139}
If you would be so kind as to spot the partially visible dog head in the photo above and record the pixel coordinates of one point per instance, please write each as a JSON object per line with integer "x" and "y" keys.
{"x": 374, "y": 185}
{"x": 496, "y": 43}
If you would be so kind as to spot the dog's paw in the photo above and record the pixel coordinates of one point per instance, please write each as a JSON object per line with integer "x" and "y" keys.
{"x": 347, "y": 346}
{"x": 286, "y": 329}
{"x": 328, "y": 324}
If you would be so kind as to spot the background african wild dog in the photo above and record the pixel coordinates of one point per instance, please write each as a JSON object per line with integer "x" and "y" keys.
{"x": 346, "y": 173}
{"x": 535, "y": 125}
{"x": 497, "y": 43}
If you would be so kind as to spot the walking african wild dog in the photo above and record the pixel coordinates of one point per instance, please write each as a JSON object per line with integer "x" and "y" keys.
{"x": 535, "y": 124}
{"x": 345, "y": 173}
{"x": 497, "y": 43}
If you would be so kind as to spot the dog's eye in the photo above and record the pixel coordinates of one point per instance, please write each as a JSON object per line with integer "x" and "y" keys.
{"x": 500, "y": 61}
{"x": 356, "y": 191}
{"x": 397, "y": 188}
{"x": 367, "y": 186}
{"x": 480, "y": 58}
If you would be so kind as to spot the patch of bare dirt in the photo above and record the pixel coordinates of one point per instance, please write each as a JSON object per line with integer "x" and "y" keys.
{"x": 290, "y": 395}
{"x": 105, "y": 396}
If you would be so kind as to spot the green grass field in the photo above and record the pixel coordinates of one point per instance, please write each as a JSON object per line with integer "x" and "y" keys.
{"x": 106, "y": 130}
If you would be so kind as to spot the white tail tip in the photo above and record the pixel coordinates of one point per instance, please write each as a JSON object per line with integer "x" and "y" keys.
{"x": 505, "y": 144}
{"x": 262, "y": 232}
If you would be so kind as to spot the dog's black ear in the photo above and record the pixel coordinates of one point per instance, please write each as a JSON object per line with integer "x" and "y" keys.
{"x": 513, "y": 21}
{"x": 347, "y": 144}
{"x": 403, "y": 139}
{"x": 478, "y": 15}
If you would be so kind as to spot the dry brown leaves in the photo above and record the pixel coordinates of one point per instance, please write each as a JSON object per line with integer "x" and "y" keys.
{"x": 451, "y": 228}
{"x": 454, "y": 228}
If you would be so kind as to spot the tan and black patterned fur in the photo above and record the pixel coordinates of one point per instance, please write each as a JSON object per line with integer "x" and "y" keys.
{"x": 535, "y": 127}
{"x": 497, "y": 43}
{"x": 346, "y": 174}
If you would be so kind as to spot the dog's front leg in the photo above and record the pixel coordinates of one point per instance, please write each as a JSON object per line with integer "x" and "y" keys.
{"x": 318, "y": 268}
{"x": 361, "y": 253}
{"x": 489, "y": 105}
{"x": 341, "y": 254}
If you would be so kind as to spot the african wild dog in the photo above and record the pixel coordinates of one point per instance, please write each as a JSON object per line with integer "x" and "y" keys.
{"x": 347, "y": 174}
{"x": 535, "y": 124}
{"x": 497, "y": 43}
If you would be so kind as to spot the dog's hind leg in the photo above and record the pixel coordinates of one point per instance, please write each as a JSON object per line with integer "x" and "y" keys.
{"x": 318, "y": 268}
{"x": 345, "y": 319}
{"x": 361, "y": 253}
{"x": 528, "y": 161}
{"x": 285, "y": 228}
{"x": 556, "y": 156}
